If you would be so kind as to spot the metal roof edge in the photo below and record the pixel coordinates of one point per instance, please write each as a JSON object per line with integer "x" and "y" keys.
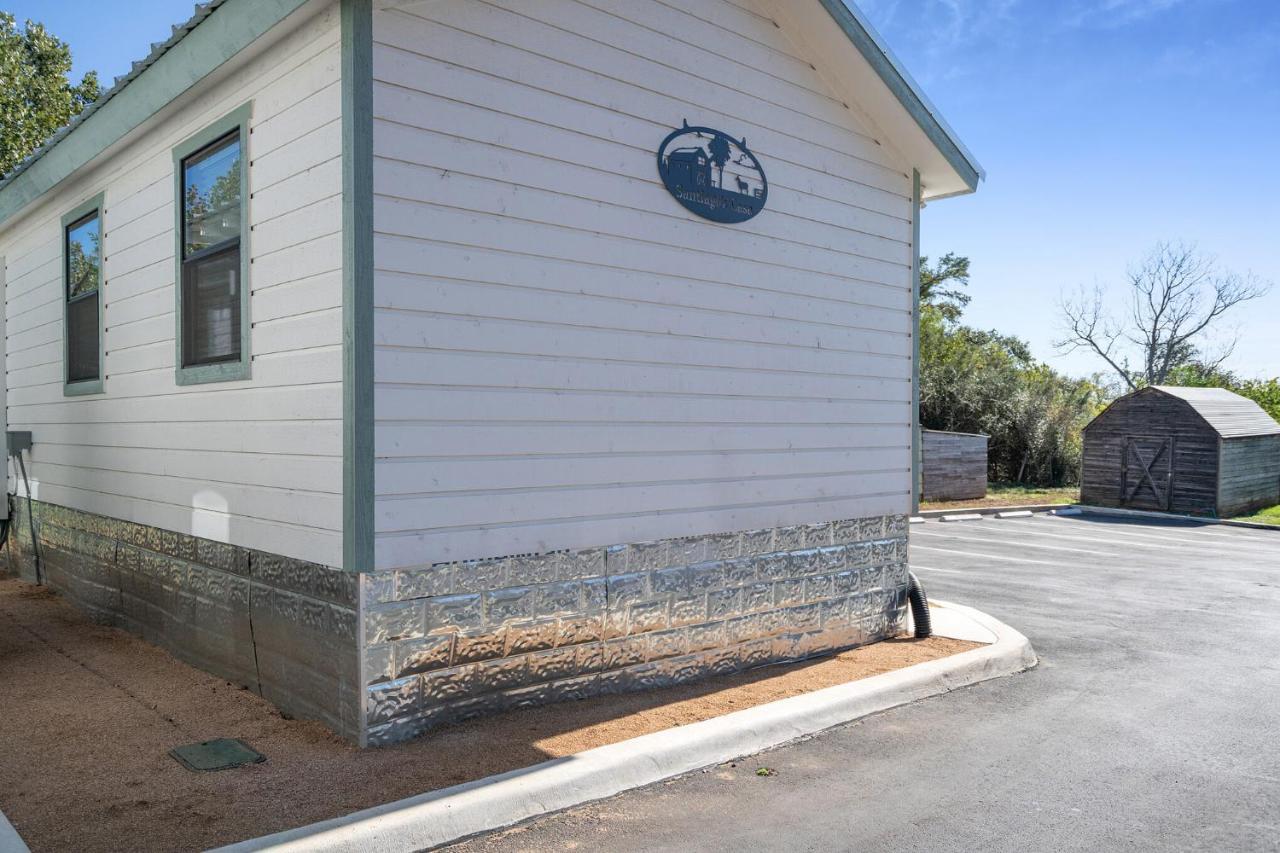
{"x": 136, "y": 96}
{"x": 874, "y": 49}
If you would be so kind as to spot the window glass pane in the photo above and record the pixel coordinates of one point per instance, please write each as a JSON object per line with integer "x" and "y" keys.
{"x": 82, "y": 339}
{"x": 211, "y": 195}
{"x": 84, "y": 251}
{"x": 211, "y": 308}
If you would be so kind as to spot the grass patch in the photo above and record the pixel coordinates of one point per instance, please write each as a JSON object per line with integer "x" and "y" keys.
{"x": 1014, "y": 494}
{"x": 1267, "y": 516}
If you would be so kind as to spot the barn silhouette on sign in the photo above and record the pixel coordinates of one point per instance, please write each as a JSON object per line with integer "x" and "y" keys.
{"x": 712, "y": 174}
{"x": 1198, "y": 451}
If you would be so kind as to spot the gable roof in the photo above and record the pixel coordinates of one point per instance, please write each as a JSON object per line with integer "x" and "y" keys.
{"x": 193, "y": 51}
{"x": 1226, "y": 412}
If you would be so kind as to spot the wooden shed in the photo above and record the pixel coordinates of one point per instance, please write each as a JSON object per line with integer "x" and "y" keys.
{"x": 954, "y": 466}
{"x": 1200, "y": 451}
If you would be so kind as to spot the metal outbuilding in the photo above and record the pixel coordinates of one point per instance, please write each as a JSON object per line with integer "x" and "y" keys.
{"x": 1200, "y": 451}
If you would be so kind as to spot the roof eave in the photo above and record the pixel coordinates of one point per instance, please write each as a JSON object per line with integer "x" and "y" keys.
{"x": 876, "y": 52}
{"x": 217, "y": 31}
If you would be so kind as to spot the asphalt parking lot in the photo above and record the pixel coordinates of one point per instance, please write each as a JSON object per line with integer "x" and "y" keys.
{"x": 1150, "y": 723}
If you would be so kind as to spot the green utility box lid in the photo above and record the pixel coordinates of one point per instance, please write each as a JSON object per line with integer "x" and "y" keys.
{"x": 221, "y": 754}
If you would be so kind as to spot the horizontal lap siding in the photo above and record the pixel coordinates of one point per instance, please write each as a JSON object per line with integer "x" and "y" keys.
{"x": 1250, "y": 476}
{"x": 955, "y": 466}
{"x": 255, "y": 463}
{"x": 564, "y": 356}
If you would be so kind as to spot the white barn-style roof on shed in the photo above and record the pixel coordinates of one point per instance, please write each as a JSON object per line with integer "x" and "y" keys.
{"x": 1231, "y": 415}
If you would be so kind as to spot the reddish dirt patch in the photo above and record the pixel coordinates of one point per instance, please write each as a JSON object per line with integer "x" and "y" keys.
{"x": 91, "y": 712}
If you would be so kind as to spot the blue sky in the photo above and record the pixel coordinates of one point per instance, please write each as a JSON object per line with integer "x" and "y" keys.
{"x": 1104, "y": 125}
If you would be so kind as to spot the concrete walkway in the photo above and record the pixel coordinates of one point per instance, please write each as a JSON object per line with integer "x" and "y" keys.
{"x": 1150, "y": 722}
{"x": 439, "y": 817}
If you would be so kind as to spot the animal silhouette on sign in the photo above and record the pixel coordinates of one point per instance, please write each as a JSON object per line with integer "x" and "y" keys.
{"x": 692, "y": 162}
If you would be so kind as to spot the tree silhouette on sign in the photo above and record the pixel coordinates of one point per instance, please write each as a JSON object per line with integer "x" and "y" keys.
{"x": 718, "y": 151}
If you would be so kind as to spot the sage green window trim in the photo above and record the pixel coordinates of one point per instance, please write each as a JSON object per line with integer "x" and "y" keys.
{"x": 80, "y": 387}
{"x": 235, "y": 122}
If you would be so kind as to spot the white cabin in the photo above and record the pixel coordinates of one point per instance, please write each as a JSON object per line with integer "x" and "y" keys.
{"x": 376, "y": 323}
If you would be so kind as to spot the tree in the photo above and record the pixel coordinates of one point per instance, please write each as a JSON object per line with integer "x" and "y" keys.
{"x": 36, "y": 94}
{"x": 226, "y": 188}
{"x": 940, "y": 285}
{"x": 718, "y": 151}
{"x": 982, "y": 381}
{"x": 1177, "y": 297}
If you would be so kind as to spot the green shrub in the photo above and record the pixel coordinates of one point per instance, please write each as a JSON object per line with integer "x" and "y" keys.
{"x": 985, "y": 382}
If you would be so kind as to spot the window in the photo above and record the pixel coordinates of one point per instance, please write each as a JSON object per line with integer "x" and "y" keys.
{"x": 213, "y": 328}
{"x": 82, "y": 295}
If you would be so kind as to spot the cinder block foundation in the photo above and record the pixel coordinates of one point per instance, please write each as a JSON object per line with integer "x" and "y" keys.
{"x": 382, "y": 657}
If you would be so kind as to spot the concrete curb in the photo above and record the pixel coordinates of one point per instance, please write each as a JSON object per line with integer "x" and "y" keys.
{"x": 10, "y": 840}
{"x": 1169, "y": 516}
{"x": 440, "y": 817}
{"x": 988, "y": 510}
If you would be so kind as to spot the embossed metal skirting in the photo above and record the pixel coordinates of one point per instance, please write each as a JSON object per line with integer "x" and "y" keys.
{"x": 282, "y": 627}
{"x": 452, "y": 641}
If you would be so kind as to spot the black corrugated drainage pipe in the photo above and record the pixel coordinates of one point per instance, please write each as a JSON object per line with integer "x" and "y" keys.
{"x": 919, "y": 607}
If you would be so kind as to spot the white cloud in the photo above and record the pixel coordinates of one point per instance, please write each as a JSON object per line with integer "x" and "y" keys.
{"x": 1111, "y": 14}
{"x": 937, "y": 32}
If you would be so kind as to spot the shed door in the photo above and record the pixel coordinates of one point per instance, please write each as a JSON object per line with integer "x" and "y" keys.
{"x": 1146, "y": 476}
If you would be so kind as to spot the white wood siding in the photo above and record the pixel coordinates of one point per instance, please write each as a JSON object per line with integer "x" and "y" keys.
{"x": 565, "y": 357}
{"x": 256, "y": 463}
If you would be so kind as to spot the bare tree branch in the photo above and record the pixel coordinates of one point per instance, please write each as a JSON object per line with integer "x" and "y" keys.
{"x": 1088, "y": 329}
{"x": 1176, "y": 298}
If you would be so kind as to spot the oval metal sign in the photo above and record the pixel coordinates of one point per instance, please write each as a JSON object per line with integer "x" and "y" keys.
{"x": 712, "y": 174}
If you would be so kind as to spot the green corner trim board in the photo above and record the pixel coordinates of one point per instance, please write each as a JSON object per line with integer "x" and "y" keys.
{"x": 357, "y": 285}
{"x": 196, "y": 48}
{"x": 917, "y": 448}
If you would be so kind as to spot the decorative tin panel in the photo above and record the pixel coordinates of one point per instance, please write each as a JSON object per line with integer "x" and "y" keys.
{"x": 634, "y": 616}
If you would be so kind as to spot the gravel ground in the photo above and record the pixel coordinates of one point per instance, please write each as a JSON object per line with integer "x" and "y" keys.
{"x": 91, "y": 712}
